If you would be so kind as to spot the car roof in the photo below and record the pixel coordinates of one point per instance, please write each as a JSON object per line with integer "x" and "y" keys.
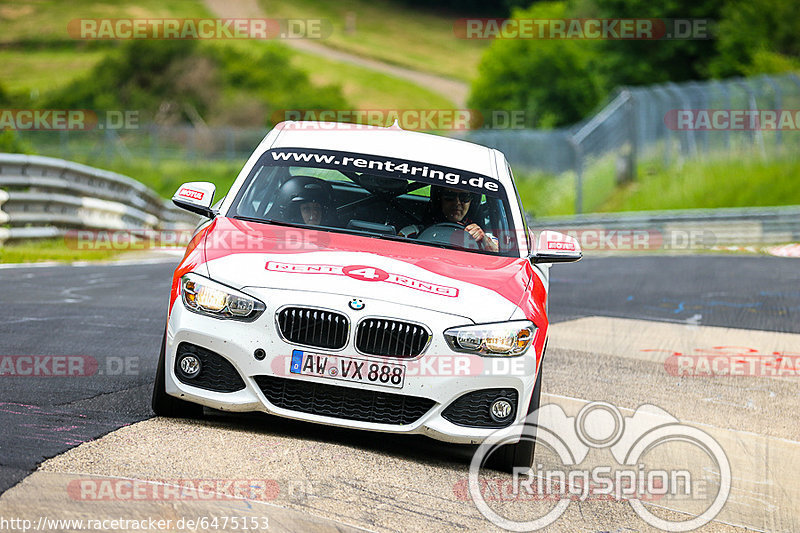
{"x": 391, "y": 142}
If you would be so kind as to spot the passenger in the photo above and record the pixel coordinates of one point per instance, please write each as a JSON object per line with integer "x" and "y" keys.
{"x": 306, "y": 200}
{"x": 311, "y": 213}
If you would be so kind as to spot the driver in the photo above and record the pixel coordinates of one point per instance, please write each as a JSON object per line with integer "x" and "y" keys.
{"x": 456, "y": 206}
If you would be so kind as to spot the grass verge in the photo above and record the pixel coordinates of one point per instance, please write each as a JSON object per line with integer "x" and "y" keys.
{"x": 49, "y": 250}
{"x": 49, "y": 19}
{"x": 741, "y": 180}
{"x": 388, "y": 31}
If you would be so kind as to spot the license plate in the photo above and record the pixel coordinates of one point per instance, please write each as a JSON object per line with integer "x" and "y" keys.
{"x": 348, "y": 369}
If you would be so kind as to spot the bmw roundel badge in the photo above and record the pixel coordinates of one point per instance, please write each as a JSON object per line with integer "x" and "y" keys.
{"x": 356, "y": 304}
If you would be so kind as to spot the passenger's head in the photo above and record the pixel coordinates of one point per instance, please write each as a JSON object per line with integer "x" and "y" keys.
{"x": 311, "y": 212}
{"x": 305, "y": 200}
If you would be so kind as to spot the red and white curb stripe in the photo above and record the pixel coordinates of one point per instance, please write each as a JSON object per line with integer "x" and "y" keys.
{"x": 787, "y": 250}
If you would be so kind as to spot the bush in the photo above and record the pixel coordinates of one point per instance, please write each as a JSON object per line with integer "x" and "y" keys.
{"x": 757, "y": 38}
{"x": 644, "y": 62}
{"x": 10, "y": 143}
{"x": 176, "y": 80}
{"x": 555, "y": 82}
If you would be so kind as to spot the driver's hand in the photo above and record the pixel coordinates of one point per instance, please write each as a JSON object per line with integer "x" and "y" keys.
{"x": 478, "y": 234}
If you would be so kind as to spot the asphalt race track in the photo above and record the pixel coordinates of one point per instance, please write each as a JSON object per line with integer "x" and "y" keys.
{"x": 616, "y": 320}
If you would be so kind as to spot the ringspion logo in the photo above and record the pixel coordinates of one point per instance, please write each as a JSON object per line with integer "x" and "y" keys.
{"x": 641, "y": 466}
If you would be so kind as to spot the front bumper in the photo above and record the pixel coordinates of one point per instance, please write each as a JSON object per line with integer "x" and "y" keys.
{"x": 439, "y": 374}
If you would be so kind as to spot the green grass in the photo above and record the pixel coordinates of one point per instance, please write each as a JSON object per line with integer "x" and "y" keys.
{"x": 741, "y": 180}
{"x": 725, "y": 182}
{"x": 388, "y": 31}
{"x": 49, "y": 250}
{"x": 44, "y": 70}
{"x": 48, "y": 19}
{"x": 548, "y": 195}
{"x": 368, "y": 89}
{"x": 428, "y": 44}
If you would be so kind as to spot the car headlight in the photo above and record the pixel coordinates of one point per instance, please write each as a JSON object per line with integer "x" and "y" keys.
{"x": 208, "y": 297}
{"x": 499, "y": 339}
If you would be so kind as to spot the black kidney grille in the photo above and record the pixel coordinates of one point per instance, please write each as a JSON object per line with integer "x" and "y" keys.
{"x": 390, "y": 338}
{"x": 314, "y": 327}
{"x": 343, "y": 402}
{"x": 472, "y": 409}
{"x": 216, "y": 373}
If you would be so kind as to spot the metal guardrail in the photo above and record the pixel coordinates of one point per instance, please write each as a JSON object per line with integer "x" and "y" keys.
{"x": 45, "y": 197}
{"x": 695, "y": 228}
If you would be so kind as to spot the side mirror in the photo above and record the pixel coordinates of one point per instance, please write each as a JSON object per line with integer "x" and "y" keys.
{"x": 554, "y": 247}
{"x": 196, "y": 196}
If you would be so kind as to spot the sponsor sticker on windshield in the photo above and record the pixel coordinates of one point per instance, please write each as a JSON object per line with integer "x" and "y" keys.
{"x": 385, "y": 166}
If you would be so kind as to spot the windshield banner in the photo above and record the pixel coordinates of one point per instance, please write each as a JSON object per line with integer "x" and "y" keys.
{"x": 374, "y": 165}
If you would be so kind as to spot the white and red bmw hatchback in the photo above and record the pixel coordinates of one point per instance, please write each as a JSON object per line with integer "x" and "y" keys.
{"x": 363, "y": 277}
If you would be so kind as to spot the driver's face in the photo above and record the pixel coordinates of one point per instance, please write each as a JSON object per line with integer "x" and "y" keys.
{"x": 455, "y": 205}
{"x": 312, "y": 213}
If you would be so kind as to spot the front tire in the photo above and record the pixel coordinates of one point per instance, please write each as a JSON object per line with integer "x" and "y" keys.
{"x": 520, "y": 454}
{"x": 162, "y": 403}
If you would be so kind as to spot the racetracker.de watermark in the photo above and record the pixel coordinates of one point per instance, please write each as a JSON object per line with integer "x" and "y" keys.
{"x": 642, "y": 29}
{"x": 732, "y": 119}
{"x": 422, "y": 119}
{"x": 131, "y": 490}
{"x": 199, "y": 28}
{"x": 733, "y": 361}
{"x": 246, "y": 239}
{"x": 357, "y": 367}
{"x": 632, "y": 240}
{"x": 268, "y": 238}
{"x": 67, "y": 120}
{"x": 59, "y": 366}
{"x": 653, "y": 457}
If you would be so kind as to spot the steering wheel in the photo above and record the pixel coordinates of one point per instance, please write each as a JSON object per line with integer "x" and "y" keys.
{"x": 449, "y": 233}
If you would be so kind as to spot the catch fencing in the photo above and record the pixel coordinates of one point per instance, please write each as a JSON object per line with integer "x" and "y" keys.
{"x": 636, "y": 124}
{"x": 641, "y": 123}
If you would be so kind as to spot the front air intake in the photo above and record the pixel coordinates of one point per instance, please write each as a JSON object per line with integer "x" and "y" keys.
{"x": 313, "y": 327}
{"x": 391, "y": 338}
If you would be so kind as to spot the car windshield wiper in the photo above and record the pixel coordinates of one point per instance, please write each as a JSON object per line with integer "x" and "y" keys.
{"x": 270, "y": 221}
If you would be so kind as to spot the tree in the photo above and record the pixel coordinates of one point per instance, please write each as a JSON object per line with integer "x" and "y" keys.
{"x": 757, "y": 38}
{"x": 643, "y": 62}
{"x": 554, "y": 81}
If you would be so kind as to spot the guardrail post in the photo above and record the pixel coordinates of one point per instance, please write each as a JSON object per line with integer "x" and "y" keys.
{"x": 778, "y": 105}
{"x": 753, "y": 105}
{"x": 726, "y": 95}
{"x": 576, "y": 147}
{"x": 661, "y": 92}
{"x": 633, "y": 122}
{"x": 691, "y": 145}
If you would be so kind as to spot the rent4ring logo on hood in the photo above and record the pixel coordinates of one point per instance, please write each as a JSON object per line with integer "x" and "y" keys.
{"x": 385, "y": 166}
{"x": 364, "y": 273}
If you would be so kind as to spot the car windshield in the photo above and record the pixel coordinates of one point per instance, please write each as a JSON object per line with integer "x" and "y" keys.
{"x": 382, "y": 197}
